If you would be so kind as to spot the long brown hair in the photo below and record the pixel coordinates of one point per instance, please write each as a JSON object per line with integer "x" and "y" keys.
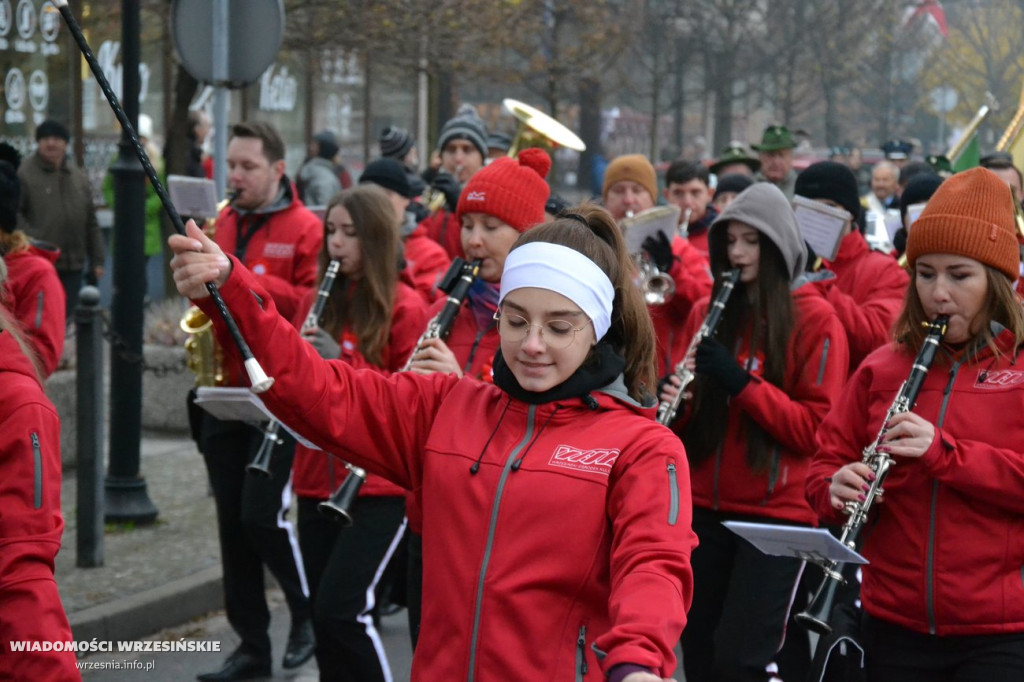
{"x": 631, "y": 332}
{"x": 763, "y": 311}
{"x": 13, "y": 242}
{"x": 365, "y": 304}
{"x": 1001, "y": 305}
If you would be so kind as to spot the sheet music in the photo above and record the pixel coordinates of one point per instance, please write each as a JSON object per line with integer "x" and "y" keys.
{"x": 232, "y": 403}
{"x": 649, "y": 223}
{"x": 195, "y": 197}
{"x": 820, "y": 225}
{"x": 815, "y": 545}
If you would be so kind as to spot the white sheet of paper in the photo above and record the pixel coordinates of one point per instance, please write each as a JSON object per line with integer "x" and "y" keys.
{"x": 809, "y": 544}
{"x": 195, "y": 197}
{"x": 894, "y": 221}
{"x": 820, "y": 225}
{"x": 635, "y": 230}
{"x": 233, "y": 403}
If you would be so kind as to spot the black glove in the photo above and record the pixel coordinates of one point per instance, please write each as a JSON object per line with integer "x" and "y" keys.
{"x": 448, "y": 185}
{"x": 659, "y": 249}
{"x": 715, "y": 361}
{"x": 328, "y": 348}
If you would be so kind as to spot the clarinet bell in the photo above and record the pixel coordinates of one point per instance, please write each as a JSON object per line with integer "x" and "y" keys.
{"x": 339, "y": 506}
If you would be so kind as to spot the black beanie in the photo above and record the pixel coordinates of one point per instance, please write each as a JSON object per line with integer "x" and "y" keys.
{"x": 328, "y": 144}
{"x": 51, "y": 128}
{"x": 389, "y": 174}
{"x": 395, "y": 142}
{"x": 919, "y": 189}
{"x": 733, "y": 182}
{"x": 830, "y": 180}
{"x": 10, "y": 194}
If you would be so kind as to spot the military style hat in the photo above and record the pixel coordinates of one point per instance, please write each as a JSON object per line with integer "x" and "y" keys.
{"x": 775, "y": 137}
{"x": 735, "y": 153}
{"x": 897, "y": 150}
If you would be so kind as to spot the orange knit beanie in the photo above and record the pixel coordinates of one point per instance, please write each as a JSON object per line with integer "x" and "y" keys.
{"x": 971, "y": 214}
{"x": 635, "y": 168}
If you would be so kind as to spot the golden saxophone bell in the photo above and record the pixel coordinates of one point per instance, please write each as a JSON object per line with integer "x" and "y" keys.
{"x": 203, "y": 355}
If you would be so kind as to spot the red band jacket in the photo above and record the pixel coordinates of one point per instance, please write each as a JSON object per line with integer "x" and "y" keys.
{"x": 551, "y": 532}
{"x": 947, "y": 544}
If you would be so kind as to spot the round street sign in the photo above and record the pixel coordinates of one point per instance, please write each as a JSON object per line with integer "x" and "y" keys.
{"x": 255, "y": 31}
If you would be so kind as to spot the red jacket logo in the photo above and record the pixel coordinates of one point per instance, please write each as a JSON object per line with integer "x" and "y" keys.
{"x": 279, "y": 250}
{"x": 1000, "y": 378}
{"x": 594, "y": 461}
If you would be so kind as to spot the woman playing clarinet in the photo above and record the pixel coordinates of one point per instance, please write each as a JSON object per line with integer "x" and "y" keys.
{"x": 943, "y": 594}
{"x": 371, "y": 319}
{"x": 763, "y": 384}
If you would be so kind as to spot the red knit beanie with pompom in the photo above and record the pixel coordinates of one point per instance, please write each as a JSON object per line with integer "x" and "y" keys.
{"x": 512, "y": 190}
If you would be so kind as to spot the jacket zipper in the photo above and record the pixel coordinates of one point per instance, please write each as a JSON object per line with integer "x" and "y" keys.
{"x": 37, "y": 458}
{"x": 773, "y": 473}
{"x": 673, "y": 494}
{"x": 530, "y": 418}
{"x": 39, "y": 310}
{"x": 581, "y": 653}
{"x": 824, "y": 360}
{"x": 930, "y": 558}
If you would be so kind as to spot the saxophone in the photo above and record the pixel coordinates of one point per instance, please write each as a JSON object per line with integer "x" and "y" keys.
{"x": 816, "y": 616}
{"x": 668, "y": 410}
{"x": 203, "y": 355}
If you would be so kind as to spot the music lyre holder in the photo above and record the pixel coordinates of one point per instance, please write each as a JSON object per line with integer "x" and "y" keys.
{"x": 813, "y": 545}
{"x": 258, "y": 379}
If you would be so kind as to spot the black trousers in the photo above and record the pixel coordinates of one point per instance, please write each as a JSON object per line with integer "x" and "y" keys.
{"x": 737, "y": 622}
{"x": 71, "y": 280}
{"x": 252, "y": 528}
{"x": 344, "y": 567}
{"x": 896, "y": 654}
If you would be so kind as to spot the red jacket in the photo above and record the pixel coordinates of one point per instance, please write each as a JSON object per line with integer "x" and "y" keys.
{"x": 443, "y": 228}
{"x": 571, "y": 535}
{"x": 947, "y": 545}
{"x": 425, "y": 263}
{"x": 30, "y": 524}
{"x": 35, "y": 296}
{"x": 816, "y": 359}
{"x": 692, "y": 276}
{"x": 867, "y": 294}
{"x": 315, "y": 474}
{"x": 282, "y": 251}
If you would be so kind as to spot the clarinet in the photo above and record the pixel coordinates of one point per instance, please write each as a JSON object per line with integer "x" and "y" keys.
{"x": 816, "y": 616}
{"x": 456, "y": 283}
{"x": 271, "y": 433}
{"x": 668, "y": 409}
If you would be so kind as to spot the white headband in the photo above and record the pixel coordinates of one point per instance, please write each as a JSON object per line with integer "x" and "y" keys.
{"x": 565, "y": 271}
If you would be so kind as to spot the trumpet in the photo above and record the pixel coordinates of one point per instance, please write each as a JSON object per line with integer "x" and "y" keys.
{"x": 815, "y": 617}
{"x": 657, "y": 287}
{"x": 271, "y": 433}
{"x": 684, "y": 227}
{"x": 456, "y": 283}
{"x": 668, "y": 409}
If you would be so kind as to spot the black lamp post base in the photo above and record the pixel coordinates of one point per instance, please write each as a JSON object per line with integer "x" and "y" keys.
{"x": 128, "y": 501}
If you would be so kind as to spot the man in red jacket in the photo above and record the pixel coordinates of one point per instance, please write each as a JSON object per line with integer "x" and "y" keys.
{"x": 267, "y": 227}
{"x": 868, "y": 288}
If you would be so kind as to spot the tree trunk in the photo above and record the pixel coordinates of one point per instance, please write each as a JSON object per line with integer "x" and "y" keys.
{"x": 590, "y": 133}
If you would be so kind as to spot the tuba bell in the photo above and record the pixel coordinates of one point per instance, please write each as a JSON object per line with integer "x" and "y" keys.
{"x": 203, "y": 354}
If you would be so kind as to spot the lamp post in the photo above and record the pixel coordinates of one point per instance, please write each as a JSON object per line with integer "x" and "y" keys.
{"x": 126, "y": 496}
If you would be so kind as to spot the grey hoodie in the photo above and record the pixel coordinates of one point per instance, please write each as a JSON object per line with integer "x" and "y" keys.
{"x": 764, "y": 207}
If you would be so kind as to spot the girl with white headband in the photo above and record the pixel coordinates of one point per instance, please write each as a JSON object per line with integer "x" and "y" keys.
{"x": 557, "y": 532}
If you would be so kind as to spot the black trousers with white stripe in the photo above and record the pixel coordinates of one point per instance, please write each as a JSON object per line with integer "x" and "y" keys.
{"x": 344, "y": 566}
{"x": 253, "y": 529}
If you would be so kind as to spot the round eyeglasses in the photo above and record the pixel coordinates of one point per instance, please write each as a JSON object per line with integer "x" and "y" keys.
{"x": 557, "y": 334}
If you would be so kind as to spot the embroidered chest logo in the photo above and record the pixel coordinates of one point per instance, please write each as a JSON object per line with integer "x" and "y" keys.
{"x": 598, "y": 461}
{"x": 1000, "y": 378}
{"x": 279, "y": 250}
